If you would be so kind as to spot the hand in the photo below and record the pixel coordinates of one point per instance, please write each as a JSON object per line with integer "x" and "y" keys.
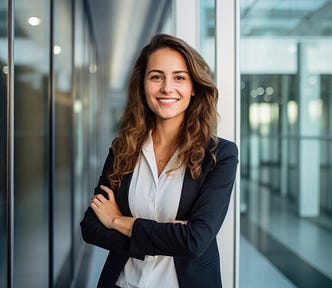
{"x": 107, "y": 210}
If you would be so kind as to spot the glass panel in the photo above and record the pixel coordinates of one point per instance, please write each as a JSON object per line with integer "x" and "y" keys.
{"x": 207, "y": 41}
{"x": 78, "y": 141}
{"x": 286, "y": 142}
{"x": 3, "y": 138}
{"x": 31, "y": 175}
{"x": 86, "y": 117}
{"x": 63, "y": 156}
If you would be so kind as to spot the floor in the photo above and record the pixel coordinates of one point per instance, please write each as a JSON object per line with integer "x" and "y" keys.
{"x": 279, "y": 248}
{"x": 257, "y": 271}
{"x": 92, "y": 264}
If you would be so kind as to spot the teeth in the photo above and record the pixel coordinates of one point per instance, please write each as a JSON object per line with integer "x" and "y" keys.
{"x": 168, "y": 100}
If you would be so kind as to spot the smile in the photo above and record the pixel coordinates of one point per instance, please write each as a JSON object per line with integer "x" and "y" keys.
{"x": 167, "y": 100}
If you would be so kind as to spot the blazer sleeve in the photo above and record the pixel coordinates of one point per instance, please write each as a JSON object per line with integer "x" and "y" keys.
{"x": 94, "y": 232}
{"x": 206, "y": 217}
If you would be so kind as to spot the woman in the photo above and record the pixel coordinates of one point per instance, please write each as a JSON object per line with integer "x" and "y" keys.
{"x": 167, "y": 181}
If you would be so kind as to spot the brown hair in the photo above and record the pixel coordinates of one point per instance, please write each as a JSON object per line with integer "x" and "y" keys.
{"x": 137, "y": 119}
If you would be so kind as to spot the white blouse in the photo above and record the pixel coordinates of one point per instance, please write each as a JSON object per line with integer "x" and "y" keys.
{"x": 155, "y": 198}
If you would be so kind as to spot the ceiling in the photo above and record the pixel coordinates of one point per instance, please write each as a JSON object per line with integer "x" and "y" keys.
{"x": 286, "y": 17}
{"x": 121, "y": 28}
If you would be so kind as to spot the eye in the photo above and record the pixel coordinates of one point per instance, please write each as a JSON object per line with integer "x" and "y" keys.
{"x": 180, "y": 78}
{"x": 156, "y": 77}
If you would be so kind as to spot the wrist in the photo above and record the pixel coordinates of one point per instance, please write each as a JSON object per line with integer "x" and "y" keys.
{"x": 113, "y": 222}
{"x": 123, "y": 224}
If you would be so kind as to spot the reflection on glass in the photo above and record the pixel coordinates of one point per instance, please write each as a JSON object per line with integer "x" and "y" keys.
{"x": 86, "y": 119}
{"x": 63, "y": 172}
{"x": 31, "y": 175}
{"x": 286, "y": 143}
{"x": 3, "y": 141}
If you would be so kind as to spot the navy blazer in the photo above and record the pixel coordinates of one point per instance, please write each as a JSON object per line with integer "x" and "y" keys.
{"x": 204, "y": 203}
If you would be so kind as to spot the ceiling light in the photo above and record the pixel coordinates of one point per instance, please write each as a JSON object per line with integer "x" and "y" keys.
{"x": 57, "y": 49}
{"x": 253, "y": 93}
{"x": 34, "y": 21}
{"x": 269, "y": 90}
{"x": 5, "y": 69}
{"x": 260, "y": 91}
{"x": 78, "y": 106}
{"x": 93, "y": 68}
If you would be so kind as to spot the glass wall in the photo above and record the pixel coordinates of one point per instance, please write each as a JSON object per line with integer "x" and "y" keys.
{"x": 86, "y": 120}
{"x": 56, "y": 139}
{"x": 62, "y": 141}
{"x": 286, "y": 142}
{"x": 31, "y": 144}
{"x": 3, "y": 139}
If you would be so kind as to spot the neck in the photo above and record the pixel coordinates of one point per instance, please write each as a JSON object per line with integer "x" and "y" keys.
{"x": 166, "y": 134}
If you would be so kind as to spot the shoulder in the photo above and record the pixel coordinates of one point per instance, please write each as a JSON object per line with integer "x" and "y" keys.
{"x": 224, "y": 148}
{"x": 221, "y": 153}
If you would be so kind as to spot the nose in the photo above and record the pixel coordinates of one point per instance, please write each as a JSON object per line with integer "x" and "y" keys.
{"x": 167, "y": 86}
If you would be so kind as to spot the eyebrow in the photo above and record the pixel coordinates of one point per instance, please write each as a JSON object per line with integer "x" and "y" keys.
{"x": 161, "y": 72}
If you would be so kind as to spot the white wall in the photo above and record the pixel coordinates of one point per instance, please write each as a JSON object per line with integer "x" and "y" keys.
{"x": 284, "y": 60}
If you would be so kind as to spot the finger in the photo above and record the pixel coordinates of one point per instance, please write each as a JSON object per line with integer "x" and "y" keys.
{"x": 100, "y": 198}
{"x": 93, "y": 206}
{"x": 108, "y": 191}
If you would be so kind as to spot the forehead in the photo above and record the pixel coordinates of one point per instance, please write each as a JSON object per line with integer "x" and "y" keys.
{"x": 166, "y": 58}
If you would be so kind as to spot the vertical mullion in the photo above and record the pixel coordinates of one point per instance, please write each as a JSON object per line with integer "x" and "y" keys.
{"x": 10, "y": 146}
{"x": 72, "y": 168}
{"x": 51, "y": 145}
{"x": 226, "y": 79}
{"x": 238, "y": 141}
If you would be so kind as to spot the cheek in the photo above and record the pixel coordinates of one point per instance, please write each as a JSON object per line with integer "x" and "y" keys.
{"x": 150, "y": 89}
{"x": 188, "y": 92}
{"x": 148, "y": 100}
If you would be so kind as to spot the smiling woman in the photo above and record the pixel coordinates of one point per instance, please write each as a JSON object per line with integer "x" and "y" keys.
{"x": 167, "y": 181}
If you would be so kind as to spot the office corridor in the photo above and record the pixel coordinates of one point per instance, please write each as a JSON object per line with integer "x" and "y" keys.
{"x": 64, "y": 69}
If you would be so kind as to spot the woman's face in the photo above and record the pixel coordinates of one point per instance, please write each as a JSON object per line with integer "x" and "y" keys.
{"x": 168, "y": 85}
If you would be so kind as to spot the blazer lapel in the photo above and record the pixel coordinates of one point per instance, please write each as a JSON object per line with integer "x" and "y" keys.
{"x": 188, "y": 195}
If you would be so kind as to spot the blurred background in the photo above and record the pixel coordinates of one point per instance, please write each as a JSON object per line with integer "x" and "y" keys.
{"x": 64, "y": 67}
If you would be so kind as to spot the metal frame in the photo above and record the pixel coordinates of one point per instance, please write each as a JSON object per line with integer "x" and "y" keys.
{"x": 72, "y": 166}
{"x": 51, "y": 103}
{"x": 10, "y": 146}
{"x": 227, "y": 78}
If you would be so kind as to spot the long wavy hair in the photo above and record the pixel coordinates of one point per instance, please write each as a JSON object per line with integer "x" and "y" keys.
{"x": 199, "y": 125}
